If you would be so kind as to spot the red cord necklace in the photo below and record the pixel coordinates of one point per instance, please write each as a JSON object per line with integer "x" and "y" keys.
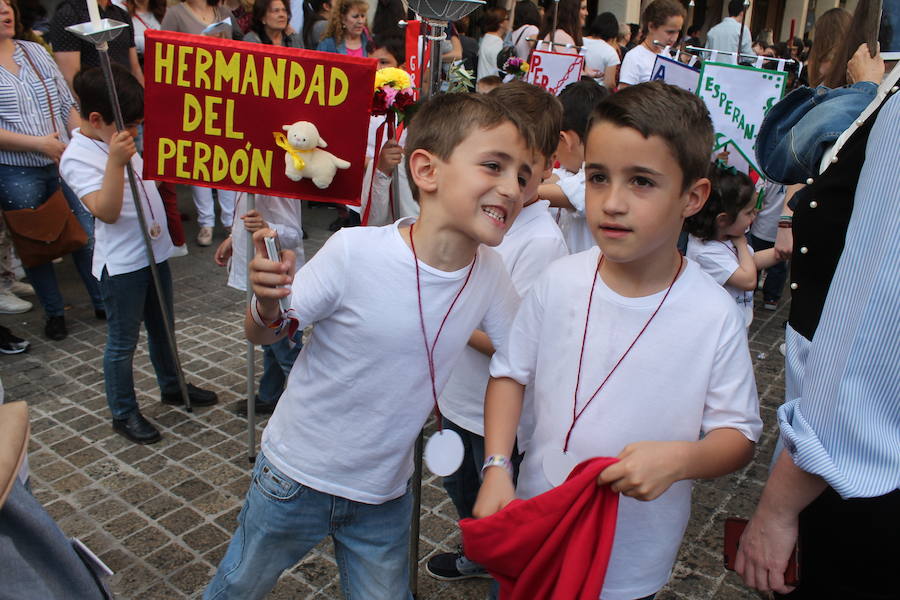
{"x": 444, "y": 451}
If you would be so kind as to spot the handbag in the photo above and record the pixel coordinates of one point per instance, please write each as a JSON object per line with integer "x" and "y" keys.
{"x": 51, "y": 230}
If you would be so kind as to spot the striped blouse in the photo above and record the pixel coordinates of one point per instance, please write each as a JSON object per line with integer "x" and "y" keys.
{"x": 842, "y": 418}
{"x": 24, "y": 106}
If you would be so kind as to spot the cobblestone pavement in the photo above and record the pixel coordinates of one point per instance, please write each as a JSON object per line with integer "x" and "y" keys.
{"x": 161, "y": 516}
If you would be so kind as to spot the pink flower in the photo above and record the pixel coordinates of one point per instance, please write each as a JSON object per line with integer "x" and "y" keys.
{"x": 390, "y": 93}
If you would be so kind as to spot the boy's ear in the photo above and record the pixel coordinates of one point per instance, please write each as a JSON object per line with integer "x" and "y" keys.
{"x": 96, "y": 120}
{"x": 697, "y": 194}
{"x": 423, "y": 170}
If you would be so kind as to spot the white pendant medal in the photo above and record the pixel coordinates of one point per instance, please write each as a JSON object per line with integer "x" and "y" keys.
{"x": 557, "y": 465}
{"x": 154, "y": 230}
{"x": 444, "y": 452}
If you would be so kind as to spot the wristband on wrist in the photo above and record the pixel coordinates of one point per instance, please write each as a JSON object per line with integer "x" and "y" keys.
{"x": 785, "y": 225}
{"x": 257, "y": 318}
{"x": 497, "y": 460}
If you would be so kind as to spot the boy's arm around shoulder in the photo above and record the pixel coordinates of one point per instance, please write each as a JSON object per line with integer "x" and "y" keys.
{"x": 730, "y": 422}
{"x": 106, "y": 203}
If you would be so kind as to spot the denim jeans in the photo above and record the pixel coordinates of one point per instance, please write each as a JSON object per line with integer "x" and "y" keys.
{"x": 776, "y": 275}
{"x": 131, "y": 298}
{"x": 28, "y": 187}
{"x": 278, "y": 359}
{"x": 282, "y": 520}
{"x": 462, "y": 486}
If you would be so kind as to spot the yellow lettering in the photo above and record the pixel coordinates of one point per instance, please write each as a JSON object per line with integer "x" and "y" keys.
{"x": 296, "y": 81}
{"x": 166, "y": 151}
{"x": 250, "y": 77}
{"x": 317, "y": 85}
{"x": 220, "y": 164}
{"x": 203, "y": 63}
{"x": 165, "y": 57}
{"x": 183, "y": 52}
{"x": 209, "y": 119}
{"x": 273, "y": 78}
{"x": 261, "y": 166}
{"x": 229, "y": 122}
{"x": 240, "y": 165}
{"x": 192, "y": 113}
{"x": 229, "y": 70}
{"x": 180, "y": 171}
{"x": 337, "y": 77}
{"x": 202, "y": 153}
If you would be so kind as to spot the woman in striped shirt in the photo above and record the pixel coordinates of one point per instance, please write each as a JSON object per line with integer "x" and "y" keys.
{"x": 36, "y": 108}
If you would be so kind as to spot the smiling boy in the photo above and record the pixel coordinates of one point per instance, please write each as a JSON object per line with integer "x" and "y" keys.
{"x": 631, "y": 350}
{"x": 393, "y": 309}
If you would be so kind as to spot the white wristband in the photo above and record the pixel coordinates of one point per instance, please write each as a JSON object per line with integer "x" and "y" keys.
{"x": 257, "y": 318}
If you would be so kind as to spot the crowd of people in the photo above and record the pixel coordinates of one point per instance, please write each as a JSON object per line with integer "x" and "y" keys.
{"x": 519, "y": 216}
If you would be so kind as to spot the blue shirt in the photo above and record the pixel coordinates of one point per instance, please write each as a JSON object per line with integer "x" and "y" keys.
{"x": 842, "y": 417}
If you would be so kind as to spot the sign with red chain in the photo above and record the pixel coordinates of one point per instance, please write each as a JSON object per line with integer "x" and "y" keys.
{"x": 553, "y": 71}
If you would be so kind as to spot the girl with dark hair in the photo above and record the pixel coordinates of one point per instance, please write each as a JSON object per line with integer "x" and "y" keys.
{"x": 601, "y": 59}
{"x": 571, "y": 17}
{"x": 526, "y": 26}
{"x": 314, "y": 26}
{"x": 496, "y": 24}
{"x": 270, "y": 19}
{"x": 661, "y": 24}
{"x": 718, "y": 236}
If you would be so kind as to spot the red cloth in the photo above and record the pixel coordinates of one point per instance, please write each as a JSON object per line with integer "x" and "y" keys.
{"x": 555, "y": 546}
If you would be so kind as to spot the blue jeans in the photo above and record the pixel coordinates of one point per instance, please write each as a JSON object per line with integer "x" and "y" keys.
{"x": 282, "y": 520}
{"x": 131, "y": 298}
{"x": 776, "y": 275}
{"x": 462, "y": 486}
{"x": 278, "y": 359}
{"x": 29, "y": 187}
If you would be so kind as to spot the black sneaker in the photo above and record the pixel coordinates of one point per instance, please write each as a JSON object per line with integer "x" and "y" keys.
{"x": 198, "y": 397}
{"x": 55, "y": 329}
{"x": 11, "y": 344}
{"x": 261, "y": 408}
{"x": 454, "y": 566}
{"x": 137, "y": 429}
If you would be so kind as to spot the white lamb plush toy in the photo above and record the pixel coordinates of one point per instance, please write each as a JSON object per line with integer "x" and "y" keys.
{"x": 306, "y": 159}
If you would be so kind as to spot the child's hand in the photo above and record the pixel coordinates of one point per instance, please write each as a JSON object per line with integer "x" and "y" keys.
{"x": 645, "y": 469}
{"x": 739, "y": 240}
{"x": 390, "y": 156}
{"x": 496, "y": 492}
{"x": 223, "y": 252}
{"x": 121, "y": 148}
{"x": 267, "y": 277}
{"x": 253, "y": 221}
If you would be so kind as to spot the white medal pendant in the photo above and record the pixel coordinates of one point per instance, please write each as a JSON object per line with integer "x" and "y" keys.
{"x": 444, "y": 452}
{"x": 154, "y": 230}
{"x": 557, "y": 465}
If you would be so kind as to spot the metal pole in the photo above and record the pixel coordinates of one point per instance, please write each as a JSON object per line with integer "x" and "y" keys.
{"x": 553, "y": 31}
{"x": 251, "y": 351}
{"x": 737, "y": 57}
{"x": 414, "y": 524}
{"x": 103, "y": 50}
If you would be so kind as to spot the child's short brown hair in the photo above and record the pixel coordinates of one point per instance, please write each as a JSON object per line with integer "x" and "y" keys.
{"x": 542, "y": 108}
{"x": 659, "y": 11}
{"x": 675, "y": 115}
{"x": 444, "y": 121}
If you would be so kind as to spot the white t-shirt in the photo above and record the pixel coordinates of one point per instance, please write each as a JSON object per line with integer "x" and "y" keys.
{"x": 532, "y": 243}
{"x": 359, "y": 392}
{"x": 720, "y": 261}
{"x": 283, "y": 215}
{"x": 688, "y": 374}
{"x": 600, "y": 56}
{"x": 637, "y": 66}
{"x": 141, "y": 21}
{"x": 577, "y": 232}
{"x": 118, "y": 246}
{"x": 490, "y": 46}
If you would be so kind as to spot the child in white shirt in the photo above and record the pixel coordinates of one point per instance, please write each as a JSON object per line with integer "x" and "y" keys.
{"x": 647, "y": 347}
{"x": 393, "y": 308}
{"x": 718, "y": 237}
{"x": 661, "y": 21}
{"x": 565, "y": 191}
{"x": 532, "y": 243}
{"x": 283, "y": 216}
{"x": 93, "y": 165}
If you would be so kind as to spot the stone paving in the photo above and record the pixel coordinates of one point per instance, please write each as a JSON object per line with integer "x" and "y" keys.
{"x": 161, "y": 516}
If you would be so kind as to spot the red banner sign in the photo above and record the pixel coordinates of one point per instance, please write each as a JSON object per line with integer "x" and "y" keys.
{"x": 256, "y": 118}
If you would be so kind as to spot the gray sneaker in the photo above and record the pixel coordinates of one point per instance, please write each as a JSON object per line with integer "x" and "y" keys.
{"x": 454, "y": 566}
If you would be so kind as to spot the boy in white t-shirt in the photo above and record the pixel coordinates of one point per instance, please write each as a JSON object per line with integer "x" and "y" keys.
{"x": 532, "y": 243}
{"x": 648, "y": 347}
{"x": 565, "y": 191}
{"x": 662, "y": 21}
{"x": 93, "y": 165}
{"x": 393, "y": 309}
